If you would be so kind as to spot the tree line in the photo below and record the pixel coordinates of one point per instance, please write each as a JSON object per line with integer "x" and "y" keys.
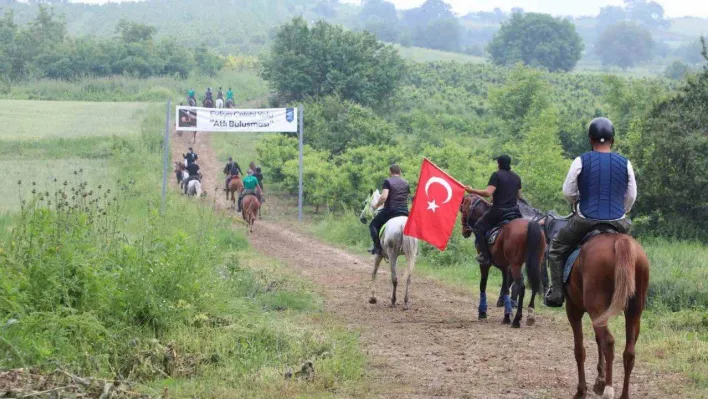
{"x": 42, "y": 48}
{"x": 462, "y": 115}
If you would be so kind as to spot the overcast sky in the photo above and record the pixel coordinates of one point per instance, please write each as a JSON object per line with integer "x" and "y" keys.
{"x": 672, "y": 8}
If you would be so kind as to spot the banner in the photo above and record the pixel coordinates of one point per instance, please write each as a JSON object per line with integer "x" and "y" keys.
{"x": 192, "y": 119}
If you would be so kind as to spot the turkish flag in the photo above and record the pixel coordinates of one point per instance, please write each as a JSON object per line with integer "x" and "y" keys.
{"x": 435, "y": 206}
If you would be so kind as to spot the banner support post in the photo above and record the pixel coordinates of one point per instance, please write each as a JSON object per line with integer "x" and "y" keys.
{"x": 165, "y": 158}
{"x": 300, "y": 132}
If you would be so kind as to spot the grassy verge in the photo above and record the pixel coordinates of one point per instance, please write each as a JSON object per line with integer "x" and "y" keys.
{"x": 102, "y": 284}
{"x": 246, "y": 83}
{"x": 675, "y": 326}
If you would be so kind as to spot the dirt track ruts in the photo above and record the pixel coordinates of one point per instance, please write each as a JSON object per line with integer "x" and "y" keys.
{"x": 438, "y": 349}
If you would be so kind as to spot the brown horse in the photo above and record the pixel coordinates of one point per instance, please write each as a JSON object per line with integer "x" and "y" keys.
{"x": 249, "y": 210}
{"x": 179, "y": 171}
{"x": 610, "y": 275}
{"x": 520, "y": 241}
{"x": 235, "y": 189}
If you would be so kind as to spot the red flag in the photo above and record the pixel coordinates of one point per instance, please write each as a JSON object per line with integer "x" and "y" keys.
{"x": 435, "y": 206}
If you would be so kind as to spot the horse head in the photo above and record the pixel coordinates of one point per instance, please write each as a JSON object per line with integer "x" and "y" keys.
{"x": 368, "y": 212}
{"x": 471, "y": 209}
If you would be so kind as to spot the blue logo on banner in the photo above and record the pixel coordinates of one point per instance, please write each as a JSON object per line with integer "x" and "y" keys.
{"x": 289, "y": 114}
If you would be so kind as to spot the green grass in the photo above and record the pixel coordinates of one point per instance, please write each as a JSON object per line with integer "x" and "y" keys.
{"x": 419, "y": 54}
{"x": 240, "y": 146}
{"x": 36, "y": 120}
{"x": 100, "y": 295}
{"x": 246, "y": 85}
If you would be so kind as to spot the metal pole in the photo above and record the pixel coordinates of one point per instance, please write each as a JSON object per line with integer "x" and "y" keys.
{"x": 165, "y": 157}
{"x": 299, "y": 200}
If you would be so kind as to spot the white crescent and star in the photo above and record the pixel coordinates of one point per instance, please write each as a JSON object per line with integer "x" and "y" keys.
{"x": 431, "y": 204}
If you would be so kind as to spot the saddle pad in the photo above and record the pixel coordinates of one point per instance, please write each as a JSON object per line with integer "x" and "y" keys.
{"x": 493, "y": 234}
{"x": 382, "y": 230}
{"x": 569, "y": 264}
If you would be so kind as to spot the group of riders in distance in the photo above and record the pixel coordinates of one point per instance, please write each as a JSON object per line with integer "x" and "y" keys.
{"x": 189, "y": 178}
{"x": 209, "y": 102}
{"x": 595, "y": 266}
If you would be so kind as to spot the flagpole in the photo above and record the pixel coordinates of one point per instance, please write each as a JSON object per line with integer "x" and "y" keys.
{"x": 440, "y": 169}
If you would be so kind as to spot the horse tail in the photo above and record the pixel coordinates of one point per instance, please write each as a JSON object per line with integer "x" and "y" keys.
{"x": 409, "y": 246}
{"x": 626, "y": 258}
{"x": 533, "y": 251}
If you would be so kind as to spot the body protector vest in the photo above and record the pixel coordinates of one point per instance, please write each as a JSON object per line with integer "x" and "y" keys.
{"x": 603, "y": 184}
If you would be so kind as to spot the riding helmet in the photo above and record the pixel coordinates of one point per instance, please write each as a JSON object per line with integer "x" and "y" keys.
{"x": 601, "y": 129}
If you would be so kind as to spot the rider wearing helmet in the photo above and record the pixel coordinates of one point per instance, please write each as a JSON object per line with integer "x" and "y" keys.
{"x": 602, "y": 185}
{"x": 229, "y": 95}
{"x": 208, "y": 93}
{"x": 220, "y": 94}
{"x": 250, "y": 186}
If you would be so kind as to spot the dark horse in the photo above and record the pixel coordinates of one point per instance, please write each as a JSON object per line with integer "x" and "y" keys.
{"x": 520, "y": 241}
{"x": 610, "y": 275}
{"x": 208, "y": 103}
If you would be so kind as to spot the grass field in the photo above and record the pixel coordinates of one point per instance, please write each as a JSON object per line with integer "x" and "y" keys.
{"x": 419, "y": 54}
{"x": 28, "y": 120}
{"x": 102, "y": 288}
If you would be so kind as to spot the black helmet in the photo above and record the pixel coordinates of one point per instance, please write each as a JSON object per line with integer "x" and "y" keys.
{"x": 601, "y": 129}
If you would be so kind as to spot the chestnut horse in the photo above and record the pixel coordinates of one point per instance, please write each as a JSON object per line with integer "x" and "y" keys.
{"x": 249, "y": 210}
{"x": 179, "y": 171}
{"x": 520, "y": 241}
{"x": 235, "y": 189}
{"x": 610, "y": 275}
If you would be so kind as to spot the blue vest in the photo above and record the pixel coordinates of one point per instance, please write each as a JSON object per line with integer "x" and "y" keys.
{"x": 603, "y": 184}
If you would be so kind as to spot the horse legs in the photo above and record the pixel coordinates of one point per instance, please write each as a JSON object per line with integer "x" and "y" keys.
{"x": 508, "y": 310}
{"x": 575, "y": 317}
{"x": 394, "y": 279}
{"x": 607, "y": 346}
{"x": 377, "y": 263}
{"x": 632, "y": 322}
{"x": 408, "y": 276}
{"x": 531, "y": 317}
{"x": 195, "y": 137}
{"x": 482, "y": 309}
{"x": 519, "y": 292}
{"x": 599, "y": 386}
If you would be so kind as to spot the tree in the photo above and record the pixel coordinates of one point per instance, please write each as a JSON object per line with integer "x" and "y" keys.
{"x": 538, "y": 40}
{"x": 608, "y": 16}
{"x": 132, "y": 32}
{"x": 677, "y": 70}
{"x": 524, "y": 90}
{"x": 326, "y": 59}
{"x": 672, "y": 163}
{"x": 648, "y": 13}
{"x": 379, "y": 17}
{"x": 625, "y": 44}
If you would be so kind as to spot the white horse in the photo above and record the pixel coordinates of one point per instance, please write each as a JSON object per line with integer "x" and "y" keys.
{"x": 393, "y": 243}
{"x": 219, "y": 103}
{"x": 194, "y": 188}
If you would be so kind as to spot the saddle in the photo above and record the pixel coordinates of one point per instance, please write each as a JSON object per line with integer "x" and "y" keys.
{"x": 493, "y": 233}
{"x": 553, "y": 224}
{"x": 570, "y": 261}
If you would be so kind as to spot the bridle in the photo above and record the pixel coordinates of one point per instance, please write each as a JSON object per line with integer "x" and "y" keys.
{"x": 470, "y": 212}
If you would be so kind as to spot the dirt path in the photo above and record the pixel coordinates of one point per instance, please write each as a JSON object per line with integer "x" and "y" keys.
{"x": 438, "y": 349}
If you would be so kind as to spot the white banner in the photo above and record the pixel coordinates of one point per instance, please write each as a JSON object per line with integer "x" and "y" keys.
{"x": 236, "y": 120}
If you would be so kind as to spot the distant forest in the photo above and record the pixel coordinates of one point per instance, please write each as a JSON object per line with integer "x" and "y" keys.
{"x": 246, "y": 27}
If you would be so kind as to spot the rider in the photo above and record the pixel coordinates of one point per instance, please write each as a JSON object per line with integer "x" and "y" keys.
{"x": 207, "y": 95}
{"x": 191, "y": 156}
{"x": 230, "y": 170}
{"x": 603, "y": 184}
{"x": 505, "y": 189}
{"x": 229, "y": 95}
{"x": 193, "y": 170}
{"x": 220, "y": 94}
{"x": 190, "y": 94}
{"x": 394, "y": 198}
{"x": 250, "y": 186}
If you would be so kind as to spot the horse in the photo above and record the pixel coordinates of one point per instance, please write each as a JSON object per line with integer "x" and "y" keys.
{"x": 393, "y": 243}
{"x": 219, "y": 103}
{"x": 249, "y": 210}
{"x": 610, "y": 275}
{"x": 194, "y": 188}
{"x": 208, "y": 103}
{"x": 180, "y": 170}
{"x": 230, "y": 103}
{"x": 235, "y": 190}
{"x": 518, "y": 242}
{"x": 192, "y": 102}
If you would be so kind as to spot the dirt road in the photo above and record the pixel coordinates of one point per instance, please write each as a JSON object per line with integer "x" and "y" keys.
{"x": 438, "y": 349}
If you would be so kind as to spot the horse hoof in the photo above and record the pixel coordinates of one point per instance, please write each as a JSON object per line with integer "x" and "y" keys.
{"x": 609, "y": 393}
{"x": 599, "y": 387}
{"x": 482, "y": 315}
{"x": 506, "y": 320}
{"x": 405, "y": 307}
{"x": 372, "y": 300}
{"x": 500, "y": 303}
{"x": 581, "y": 394}
{"x": 516, "y": 324}
{"x": 530, "y": 321}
